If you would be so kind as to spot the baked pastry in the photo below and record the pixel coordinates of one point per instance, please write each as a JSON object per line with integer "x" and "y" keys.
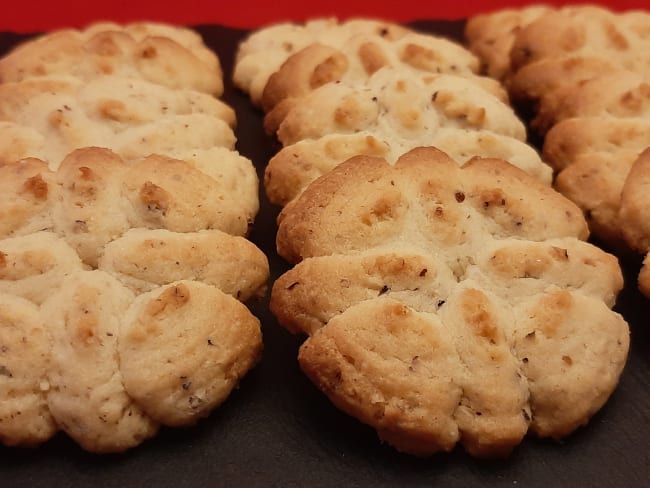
{"x": 95, "y": 196}
{"x": 593, "y": 156}
{"x": 583, "y": 70}
{"x": 390, "y": 114}
{"x": 262, "y": 53}
{"x": 396, "y": 103}
{"x": 490, "y": 36}
{"x": 295, "y": 166}
{"x": 48, "y": 117}
{"x": 163, "y": 54}
{"x": 447, "y": 304}
{"x": 355, "y": 60}
{"x": 584, "y": 31}
{"x": 167, "y": 239}
{"x": 634, "y": 214}
{"x": 617, "y": 94}
{"x": 123, "y": 259}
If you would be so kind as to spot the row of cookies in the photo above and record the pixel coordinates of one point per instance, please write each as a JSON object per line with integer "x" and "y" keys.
{"x": 582, "y": 73}
{"x": 124, "y": 262}
{"x": 445, "y": 301}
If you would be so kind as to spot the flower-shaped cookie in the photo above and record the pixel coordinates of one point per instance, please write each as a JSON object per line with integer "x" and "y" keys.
{"x": 449, "y": 304}
{"x": 164, "y": 54}
{"x": 121, "y": 290}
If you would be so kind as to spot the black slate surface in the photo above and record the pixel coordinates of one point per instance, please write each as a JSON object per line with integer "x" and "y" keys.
{"x": 277, "y": 429}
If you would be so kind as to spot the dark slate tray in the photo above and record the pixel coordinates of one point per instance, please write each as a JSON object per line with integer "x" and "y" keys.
{"x": 277, "y": 429}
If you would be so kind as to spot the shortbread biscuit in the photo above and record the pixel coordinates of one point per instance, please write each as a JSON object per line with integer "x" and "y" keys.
{"x": 635, "y": 206}
{"x": 571, "y": 45}
{"x": 132, "y": 117}
{"x": 362, "y": 55}
{"x": 112, "y": 136}
{"x": 443, "y": 306}
{"x": 26, "y": 196}
{"x": 573, "y": 138}
{"x": 530, "y": 83}
{"x": 586, "y": 31}
{"x": 644, "y": 276}
{"x": 635, "y": 202}
{"x": 394, "y": 103}
{"x": 101, "y": 196}
{"x": 34, "y": 265}
{"x": 25, "y": 419}
{"x": 295, "y": 166}
{"x": 593, "y": 156}
{"x": 491, "y": 35}
{"x": 618, "y": 94}
{"x": 145, "y": 259}
{"x": 86, "y": 396}
{"x": 178, "y": 373}
{"x": 163, "y": 54}
{"x": 263, "y": 52}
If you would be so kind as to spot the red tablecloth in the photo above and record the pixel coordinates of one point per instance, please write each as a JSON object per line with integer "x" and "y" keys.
{"x": 36, "y": 15}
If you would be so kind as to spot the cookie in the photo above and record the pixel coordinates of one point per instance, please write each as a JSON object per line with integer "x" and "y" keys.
{"x": 116, "y": 154}
{"x": 263, "y": 51}
{"x": 34, "y": 265}
{"x": 491, "y": 35}
{"x": 395, "y": 103}
{"x": 633, "y": 213}
{"x": 361, "y": 55}
{"x": 532, "y": 82}
{"x": 178, "y": 374}
{"x": 101, "y": 196}
{"x": 644, "y": 277}
{"x": 132, "y": 117}
{"x": 444, "y": 307}
{"x": 25, "y": 419}
{"x": 570, "y": 45}
{"x": 145, "y": 259}
{"x": 619, "y": 94}
{"x": 594, "y": 156}
{"x": 86, "y": 394}
{"x": 163, "y": 54}
{"x": 296, "y": 165}
{"x": 585, "y": 31}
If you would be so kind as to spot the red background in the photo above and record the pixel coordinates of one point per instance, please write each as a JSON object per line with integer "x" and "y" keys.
{"x": 37, "y": 15}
